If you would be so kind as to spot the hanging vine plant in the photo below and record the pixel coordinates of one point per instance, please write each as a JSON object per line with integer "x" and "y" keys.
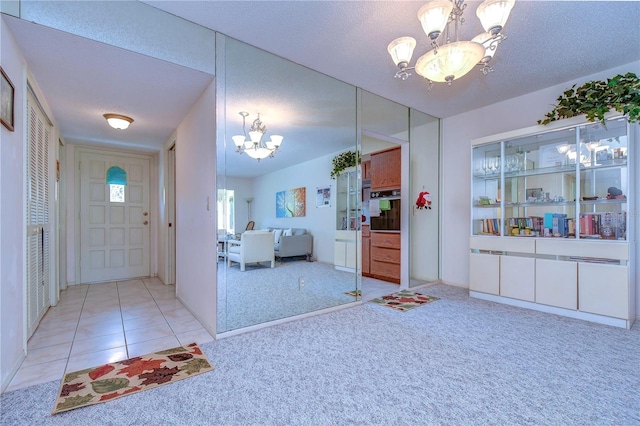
{"x": 595, "y": 98}
{"x": 343, "y": 161}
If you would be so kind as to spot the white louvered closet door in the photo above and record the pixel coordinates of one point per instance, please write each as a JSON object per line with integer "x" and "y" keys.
{"x": 37, "y": 220}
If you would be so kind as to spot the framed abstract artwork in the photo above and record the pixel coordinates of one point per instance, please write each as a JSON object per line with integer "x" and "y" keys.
{"x": 291, "y": 203}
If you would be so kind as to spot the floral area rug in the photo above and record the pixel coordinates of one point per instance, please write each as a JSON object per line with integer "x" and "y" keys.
{"x": 110, "y": 381}
{"x": 404, "y": 300}
{"x": 354, "y": 293}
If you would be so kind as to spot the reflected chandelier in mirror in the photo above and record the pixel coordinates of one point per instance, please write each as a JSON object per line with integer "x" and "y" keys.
{"x": 255, "y": 147}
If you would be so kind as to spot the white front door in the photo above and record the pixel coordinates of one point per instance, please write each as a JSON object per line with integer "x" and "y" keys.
{"x": 114, "y": 231}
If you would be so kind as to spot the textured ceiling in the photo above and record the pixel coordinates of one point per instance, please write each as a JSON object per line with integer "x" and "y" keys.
{"x": 548, "y": 42}
{"x": 83, "y": 79}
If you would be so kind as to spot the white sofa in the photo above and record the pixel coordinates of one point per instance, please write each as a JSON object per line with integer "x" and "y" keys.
{"x": 254, "y": 247}
{"x": 299, "y": 243}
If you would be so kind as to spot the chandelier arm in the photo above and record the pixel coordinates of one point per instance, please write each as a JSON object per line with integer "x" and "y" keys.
{"x": 485, "y": 68}
{"x": 403, "y": 73}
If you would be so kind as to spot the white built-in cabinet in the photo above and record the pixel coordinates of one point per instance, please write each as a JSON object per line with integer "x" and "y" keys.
{"x": 549, "y": 221}
{"x": 348, "y": 211}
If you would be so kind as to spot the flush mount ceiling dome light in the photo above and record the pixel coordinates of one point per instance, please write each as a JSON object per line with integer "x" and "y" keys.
{"x": 450, "y": 57}
{"x": 255, "y": 147}
{"x": 118, "y": 121}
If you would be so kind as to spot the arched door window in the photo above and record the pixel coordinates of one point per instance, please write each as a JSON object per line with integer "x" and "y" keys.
{"x": 116, "y": 179}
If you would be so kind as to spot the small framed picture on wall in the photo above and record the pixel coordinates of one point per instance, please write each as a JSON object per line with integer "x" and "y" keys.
{"x": 7, "y": 93}
{"x": 323, "y": 197}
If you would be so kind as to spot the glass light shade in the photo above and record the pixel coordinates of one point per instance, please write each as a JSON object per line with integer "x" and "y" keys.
{"x": 434, "y": 16}
{"x": 563, "y": 149}
{"x": 493, "y": 14}
{"x": 255, "y": 136}
{"x": 258, "y": 153}
{"x": 485, "y": 40}
{"x": 452, "y": 61}
{"x": 401, "y": 49}
{"x": 249, "y": 144}
{"x": 238, "y": 140}
{"x": 118, "y": 121}
{"x": 277, "y": 140}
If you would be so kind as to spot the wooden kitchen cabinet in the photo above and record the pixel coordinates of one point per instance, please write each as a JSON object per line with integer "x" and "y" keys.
{"x": 385, "y": 256}
{"x": 366, "y": 250}
{"x": 366, "y": 170}
{"x": 386, "y": 169}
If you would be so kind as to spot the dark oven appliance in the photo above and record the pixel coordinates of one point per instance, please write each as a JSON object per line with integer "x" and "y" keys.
{"x": 384, "y": 210}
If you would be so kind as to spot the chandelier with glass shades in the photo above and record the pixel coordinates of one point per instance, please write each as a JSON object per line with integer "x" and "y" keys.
{"x": 255, "y": 147}
{"x": 451, "y": 58}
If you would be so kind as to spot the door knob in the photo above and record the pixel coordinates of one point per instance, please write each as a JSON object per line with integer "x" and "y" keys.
{"x": 145, "y": 214}
{"x": 146, "y": 222}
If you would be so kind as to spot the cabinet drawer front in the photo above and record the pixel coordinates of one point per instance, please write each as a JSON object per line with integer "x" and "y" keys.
{"x": 484, "y": 273}
{"x": 563, "y": 247}
{"x": 603, "y": 289}
{"x": 382, "y": 254}
{"x": 517, "y": 277}
{"x": 515, "y": 244}
{"x": 384, "y": 239}
{"x": 557, "y": 283}
{"x": 385, "y": 269}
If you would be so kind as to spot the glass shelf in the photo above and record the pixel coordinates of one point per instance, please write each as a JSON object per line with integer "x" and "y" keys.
{"x": 348, "y": 202}
{"x": 530, "y": 184}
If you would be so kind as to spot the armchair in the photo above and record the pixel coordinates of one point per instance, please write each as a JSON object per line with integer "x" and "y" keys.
{"x": 254, "y": 247}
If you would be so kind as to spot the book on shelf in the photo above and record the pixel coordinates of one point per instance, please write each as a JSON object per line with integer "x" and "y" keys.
{"x": 489, "y": 226}
{"x": 609, "y": 225}
{"x": 559, "y": 225}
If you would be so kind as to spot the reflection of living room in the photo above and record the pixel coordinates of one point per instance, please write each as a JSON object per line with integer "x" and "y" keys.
{"x": 320, "y": 117}
{"x": 294, "y": 240}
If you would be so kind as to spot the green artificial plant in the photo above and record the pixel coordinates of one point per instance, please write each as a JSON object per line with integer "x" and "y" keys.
{"x": 343, "y": 161}
{"x": 595, "y": 98}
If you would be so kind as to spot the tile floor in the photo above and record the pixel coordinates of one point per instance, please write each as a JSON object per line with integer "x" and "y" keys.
{"x": 99, "y": 323}
{"x": 94, "y": 324}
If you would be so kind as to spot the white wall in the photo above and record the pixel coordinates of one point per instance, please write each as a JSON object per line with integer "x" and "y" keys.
{"x": 320, "y": 222}
{"x": 523, "y": 111}
{"x": 12, "y": 229}
{"x": 196, "y": 211}
{"x": 424, "y": 262}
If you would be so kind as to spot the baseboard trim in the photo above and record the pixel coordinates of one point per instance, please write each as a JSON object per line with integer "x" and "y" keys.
{"x": 232, "y": 333}
{"x": 600, "y": 319}
{"x": 6, "y": 381}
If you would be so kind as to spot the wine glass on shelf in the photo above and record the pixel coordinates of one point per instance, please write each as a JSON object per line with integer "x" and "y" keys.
{"x": 491, "y": 165}
{"x": 483, "y": 165}
{"x": 512, "y": 163}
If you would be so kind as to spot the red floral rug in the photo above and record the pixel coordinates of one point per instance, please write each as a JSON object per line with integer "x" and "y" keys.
{"x": 110, "y": 381}
{"x": 404, "y": 300}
